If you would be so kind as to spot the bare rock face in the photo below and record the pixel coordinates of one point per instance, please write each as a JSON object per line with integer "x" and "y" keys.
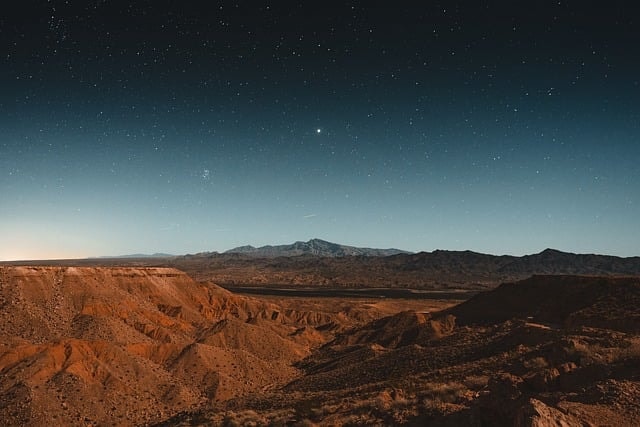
{"x": 536, "y": 414}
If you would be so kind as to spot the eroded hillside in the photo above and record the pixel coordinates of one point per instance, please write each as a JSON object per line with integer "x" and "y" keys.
{"x": 141, "y": 346}
{"x": 545, "y": 351}
{"x": 97, "y": 346}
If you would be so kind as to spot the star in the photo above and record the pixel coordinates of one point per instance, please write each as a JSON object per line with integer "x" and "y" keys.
{"x": 318, "y": 130}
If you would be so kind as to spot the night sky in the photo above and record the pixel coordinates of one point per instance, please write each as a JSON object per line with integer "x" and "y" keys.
{"x": 180, "y": 127}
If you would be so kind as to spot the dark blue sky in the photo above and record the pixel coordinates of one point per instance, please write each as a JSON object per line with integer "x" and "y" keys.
{"x": 173, "y": 127}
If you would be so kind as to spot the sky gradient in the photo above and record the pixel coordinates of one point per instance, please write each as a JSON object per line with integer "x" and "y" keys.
{"x": 165, "y": 127}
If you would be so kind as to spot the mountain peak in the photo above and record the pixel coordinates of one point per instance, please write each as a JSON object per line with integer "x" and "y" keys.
{"x": 315, "y": 247}
{"x": 552, "y": 252}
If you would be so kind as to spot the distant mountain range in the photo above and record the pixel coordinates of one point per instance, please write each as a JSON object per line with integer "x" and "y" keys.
{"x": 319, "y": 263}
{"x": 156, "y": 255}
{"x": 314, "y": 247}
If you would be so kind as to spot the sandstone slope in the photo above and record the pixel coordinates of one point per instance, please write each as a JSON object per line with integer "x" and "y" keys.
{"x": 83, "y": 346}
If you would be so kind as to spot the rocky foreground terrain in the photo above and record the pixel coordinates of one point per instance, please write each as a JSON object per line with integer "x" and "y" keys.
{"x": 151, "y": 346}
{"x": 135, "y": 346}
{"x": 548, "y": 351}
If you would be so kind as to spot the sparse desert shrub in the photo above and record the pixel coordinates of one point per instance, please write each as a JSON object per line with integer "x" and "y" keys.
{"x": 246, "y": 418}
{"x": 329, "y": 409}
{"x": 444, "y": 392}
{"x": 400, "y": 402}
{"x": 358, "y": 420}
{"x": 305, "y": 423}
{"x": 308, "y": 409}
{"x": 230, "y": 420}
{"x": 476, "y": 382}
{"x": 632, "y": 351}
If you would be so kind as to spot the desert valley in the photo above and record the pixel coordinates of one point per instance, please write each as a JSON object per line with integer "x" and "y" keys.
{"x": 165, "y": 167}
{"x": 547, "y": 339}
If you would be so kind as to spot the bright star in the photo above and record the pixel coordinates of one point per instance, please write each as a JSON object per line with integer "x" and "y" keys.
{"x": 318, "y": 130}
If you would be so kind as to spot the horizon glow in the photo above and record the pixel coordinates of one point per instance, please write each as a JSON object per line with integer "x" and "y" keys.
{"x": 487, "y": 128}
